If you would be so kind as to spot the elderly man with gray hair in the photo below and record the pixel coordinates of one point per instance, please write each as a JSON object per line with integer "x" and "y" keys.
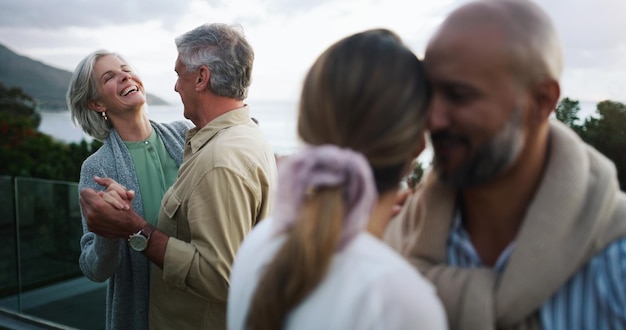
{"x": 520, "y": 224}
{"x": 223, "y": 187}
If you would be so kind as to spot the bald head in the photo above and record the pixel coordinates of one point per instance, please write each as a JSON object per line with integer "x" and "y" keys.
{"x": 531, "y": 43}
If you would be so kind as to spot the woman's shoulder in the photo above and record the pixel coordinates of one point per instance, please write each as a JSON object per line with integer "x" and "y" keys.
{"x": 397, "y": 294}
{"x": 374, "y": 251}
{"x": 99, "y": 157}
{"x": 179, "y": 126}
{"x": 173, "y": 132}
{"x": 382, "y": 266}
{"x": 99, "y": 163}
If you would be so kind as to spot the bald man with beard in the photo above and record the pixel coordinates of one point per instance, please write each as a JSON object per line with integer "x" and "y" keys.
{"x": 520, "y": 224}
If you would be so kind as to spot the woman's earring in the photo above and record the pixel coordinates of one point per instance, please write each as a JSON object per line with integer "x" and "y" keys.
{"x": 104, "y": 115}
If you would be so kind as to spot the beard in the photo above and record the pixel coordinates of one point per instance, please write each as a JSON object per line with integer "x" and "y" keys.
{"x": 488, "y": 160}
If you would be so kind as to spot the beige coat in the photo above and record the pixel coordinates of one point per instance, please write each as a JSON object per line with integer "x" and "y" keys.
{"x": 577, "y": 210}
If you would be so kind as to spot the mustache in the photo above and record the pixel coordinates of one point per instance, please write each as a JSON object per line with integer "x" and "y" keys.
{"x": 446, "y": 136}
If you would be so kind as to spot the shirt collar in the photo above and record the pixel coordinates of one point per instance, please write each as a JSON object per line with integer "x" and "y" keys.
{"x": 460, "y": 238}
{"x": 197, "y": 137}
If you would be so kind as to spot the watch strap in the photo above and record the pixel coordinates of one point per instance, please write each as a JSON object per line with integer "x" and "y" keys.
{"x": 147, "y": 230}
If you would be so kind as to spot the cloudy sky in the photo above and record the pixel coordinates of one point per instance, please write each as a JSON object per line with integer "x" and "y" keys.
{"x": 288, "y": 35}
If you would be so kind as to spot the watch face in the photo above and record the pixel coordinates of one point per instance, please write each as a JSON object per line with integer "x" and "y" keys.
{"x": 138, "y": 242}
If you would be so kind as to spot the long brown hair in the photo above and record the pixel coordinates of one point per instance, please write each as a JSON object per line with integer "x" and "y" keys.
{"x": 367, "y": 93}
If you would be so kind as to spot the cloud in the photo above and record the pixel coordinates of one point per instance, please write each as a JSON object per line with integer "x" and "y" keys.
{"x": 288, "y": 35}
{"x": 585, "y": 24}
{"x": 80, "y": 13}
{"x": 294, "y": 7}
{"x": 593, "y": 35}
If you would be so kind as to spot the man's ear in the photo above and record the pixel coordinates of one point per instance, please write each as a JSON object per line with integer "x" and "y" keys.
{"x": 546, "y": 96}
{"x": 96, "y": 106}
{"x": 202, "y": 78}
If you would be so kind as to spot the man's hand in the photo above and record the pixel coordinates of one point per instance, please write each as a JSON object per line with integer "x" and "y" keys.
{"x": 400, "y": 200}
{"x": 104, "y": 217}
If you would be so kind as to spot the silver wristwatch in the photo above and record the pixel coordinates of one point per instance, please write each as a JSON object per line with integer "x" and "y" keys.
{"x": 139, "y": 240}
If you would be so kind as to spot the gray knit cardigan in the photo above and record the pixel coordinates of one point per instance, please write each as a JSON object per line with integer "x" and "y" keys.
{"x": 103, "y": 258}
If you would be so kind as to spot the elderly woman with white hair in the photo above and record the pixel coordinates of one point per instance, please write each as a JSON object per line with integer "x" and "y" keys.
{"x": 107, "y": 100}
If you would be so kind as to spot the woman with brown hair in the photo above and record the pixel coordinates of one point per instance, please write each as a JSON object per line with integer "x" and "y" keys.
{"x": 313, "y": 264}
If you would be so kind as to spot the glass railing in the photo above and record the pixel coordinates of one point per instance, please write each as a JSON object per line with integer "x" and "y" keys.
{"x": 39, "y": 249}
{"x": 8, "y": 246}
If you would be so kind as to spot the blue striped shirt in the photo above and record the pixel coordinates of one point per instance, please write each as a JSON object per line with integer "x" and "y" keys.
{"x": 594, "y": 298}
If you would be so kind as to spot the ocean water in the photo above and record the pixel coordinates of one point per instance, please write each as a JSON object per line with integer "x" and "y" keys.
{"x": 277, "y": 120}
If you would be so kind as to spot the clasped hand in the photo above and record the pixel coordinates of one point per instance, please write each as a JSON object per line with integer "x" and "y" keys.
{"x": 109, "y": 213}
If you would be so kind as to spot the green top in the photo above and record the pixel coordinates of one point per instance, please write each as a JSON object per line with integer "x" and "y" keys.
{"x": 156, "y": 172}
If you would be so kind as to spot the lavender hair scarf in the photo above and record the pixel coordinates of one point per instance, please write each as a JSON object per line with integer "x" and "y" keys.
{"x": 325, "y": 166}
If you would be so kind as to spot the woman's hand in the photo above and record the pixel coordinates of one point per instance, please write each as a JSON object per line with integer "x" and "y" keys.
{"x": 115, "y": 194}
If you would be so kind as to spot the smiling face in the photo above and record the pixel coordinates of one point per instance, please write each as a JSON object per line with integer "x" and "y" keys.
{"x": 119, "y": 88}
{"x": 186, "y": 87}
{"x": 478, "y": 110}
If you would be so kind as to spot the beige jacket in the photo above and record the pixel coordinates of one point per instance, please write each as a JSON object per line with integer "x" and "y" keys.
{"x": 224, "y": 187}
{"x": 577, "y": 210}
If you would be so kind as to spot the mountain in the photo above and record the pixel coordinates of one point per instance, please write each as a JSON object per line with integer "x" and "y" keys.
{"x": 44, "y": 83}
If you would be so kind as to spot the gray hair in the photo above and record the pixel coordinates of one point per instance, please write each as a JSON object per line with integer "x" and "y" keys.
{"x": 82, "y": 88}
{"x": 535, "y": 48}
{"x": 225, "y": 51}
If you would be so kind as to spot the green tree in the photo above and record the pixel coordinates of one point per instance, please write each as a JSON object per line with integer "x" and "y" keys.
{"x": 567, "y": 112}
{"x": 607, "y": 133}
{"x": 26, "y": 152}
{"x": 605, "y": 130}
{"x": 14, "y": 101}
